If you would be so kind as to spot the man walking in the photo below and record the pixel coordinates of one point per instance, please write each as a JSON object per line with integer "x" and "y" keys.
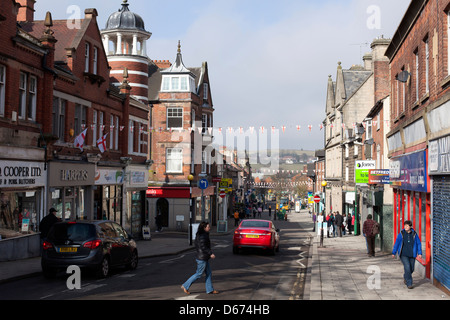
{"x": 408, "y": 247}
{"x": 368, "y": 233}
{"x": 338, "y": 221}
{"x": 47, "y": 222}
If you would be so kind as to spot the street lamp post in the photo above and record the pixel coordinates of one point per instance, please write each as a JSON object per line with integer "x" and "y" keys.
{"x": 190, "y": 178}
{"x": 324, "y": 185}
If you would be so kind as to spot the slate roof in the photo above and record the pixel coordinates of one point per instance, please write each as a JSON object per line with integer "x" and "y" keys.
{"x": 353, "y": 79}
{"x": 62, "y": 33}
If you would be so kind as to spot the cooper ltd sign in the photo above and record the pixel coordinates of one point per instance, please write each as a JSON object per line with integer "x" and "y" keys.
{"x": 21, "y": 174}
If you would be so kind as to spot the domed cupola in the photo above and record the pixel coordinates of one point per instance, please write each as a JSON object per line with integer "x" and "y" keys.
{"x": 124, "y": 39}
{"x": 125, "y": 19}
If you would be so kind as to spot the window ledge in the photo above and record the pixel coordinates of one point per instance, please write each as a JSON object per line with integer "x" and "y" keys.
{"x": 446, "y": 81}
{"x": 425, "y": 97}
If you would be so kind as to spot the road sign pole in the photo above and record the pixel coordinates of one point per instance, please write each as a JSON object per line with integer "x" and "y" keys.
{"x": 203, "y": 207}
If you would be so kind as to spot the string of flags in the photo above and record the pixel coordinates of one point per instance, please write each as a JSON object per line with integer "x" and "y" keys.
{"x": 279, "y": 184}
{"x": 240, "y": 130}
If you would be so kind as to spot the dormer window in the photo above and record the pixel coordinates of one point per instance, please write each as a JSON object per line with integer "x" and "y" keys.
{"x": 177, "y": 83}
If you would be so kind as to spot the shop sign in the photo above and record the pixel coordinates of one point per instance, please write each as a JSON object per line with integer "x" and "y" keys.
{"x": 181, "y": 193}
{"x": 70, "y": 174}
{"x": 350, "y": 197}
{"x": 409, "y": 172}
{"x": 108, "y": 176}
{"x": 15, "y": 174}
{"x": 439, "y": 156}
{"x": 379, "y": 176}
{"x": 362, "y": 171}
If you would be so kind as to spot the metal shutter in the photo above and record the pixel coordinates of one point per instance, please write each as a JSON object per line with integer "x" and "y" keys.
{"x": 441, "y": 230}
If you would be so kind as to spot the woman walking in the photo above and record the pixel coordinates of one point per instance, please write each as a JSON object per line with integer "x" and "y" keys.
{"x": 408, "y": 247}
{"x": 204, "y": 253}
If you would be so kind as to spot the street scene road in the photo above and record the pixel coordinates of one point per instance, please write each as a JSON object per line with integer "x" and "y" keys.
{"x": 250, "y": 275}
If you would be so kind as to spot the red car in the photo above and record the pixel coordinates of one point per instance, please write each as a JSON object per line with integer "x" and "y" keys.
{"x": 256, "y": 234}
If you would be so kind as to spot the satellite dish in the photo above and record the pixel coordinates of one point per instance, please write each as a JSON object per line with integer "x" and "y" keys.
{"x": 403, "y": 76}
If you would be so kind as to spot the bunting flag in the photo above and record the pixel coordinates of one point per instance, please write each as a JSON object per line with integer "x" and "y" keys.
{"x": 79, "y": 140}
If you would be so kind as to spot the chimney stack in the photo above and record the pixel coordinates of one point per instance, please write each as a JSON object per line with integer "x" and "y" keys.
{"x": 26, "y": 10}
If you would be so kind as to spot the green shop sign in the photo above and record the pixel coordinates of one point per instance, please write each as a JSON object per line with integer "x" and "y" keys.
{"x": 362, "y": 171}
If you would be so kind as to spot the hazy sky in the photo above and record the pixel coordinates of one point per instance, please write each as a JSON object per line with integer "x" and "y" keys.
{"x": 268, "y": 60}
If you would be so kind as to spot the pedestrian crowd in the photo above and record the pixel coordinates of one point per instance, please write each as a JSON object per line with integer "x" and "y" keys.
{"x": 335, "y": 224}
{"x": 407, "y": 246}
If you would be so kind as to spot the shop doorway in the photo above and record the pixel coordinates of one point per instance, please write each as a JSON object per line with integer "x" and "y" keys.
{"x": 162, "y": 209}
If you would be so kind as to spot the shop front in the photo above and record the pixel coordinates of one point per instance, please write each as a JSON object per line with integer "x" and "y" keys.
{"x": 108, "y": 195}
{"x": 70, "y": 190}
{"x": 135, "y": 188}
{"x": 412, "y": 200}
{"x": 170, "y": 206}
{"x": 22, "y": 185}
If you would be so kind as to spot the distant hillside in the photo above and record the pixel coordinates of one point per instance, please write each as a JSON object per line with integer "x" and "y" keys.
{"x": 290, "y": 159}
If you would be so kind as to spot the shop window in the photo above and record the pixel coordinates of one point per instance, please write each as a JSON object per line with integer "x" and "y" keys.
{"x": 135, "y": 212}
{"x": 69, "y": 203}
{"x": 16, "y": 208}
{"x": 112, "y": 203}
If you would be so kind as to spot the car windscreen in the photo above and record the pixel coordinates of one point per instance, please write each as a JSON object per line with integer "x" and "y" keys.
{"x": 255, "y": 224}
{"x": 74, "y": 232}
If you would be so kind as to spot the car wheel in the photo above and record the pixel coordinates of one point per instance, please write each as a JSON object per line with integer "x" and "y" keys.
{"x": 133, "y": 261}
{"x": 235, "y": 250}
{"x": 103, "y": 268}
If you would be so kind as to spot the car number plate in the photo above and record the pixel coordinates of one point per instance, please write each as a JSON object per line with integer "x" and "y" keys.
{"x": 67, "y": 249}
{"x": 252, "y": 236}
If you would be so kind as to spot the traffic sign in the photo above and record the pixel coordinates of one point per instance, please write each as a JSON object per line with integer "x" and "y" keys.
{"x": 203, "y": 184}
{"x": 316, "y": 198}
{"x": 222, "y": 194}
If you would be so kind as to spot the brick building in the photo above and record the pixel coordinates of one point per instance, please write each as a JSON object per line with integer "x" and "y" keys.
{"x": 24, "y": 94}
{"x": 420, "y": 128}
{"x": 55, "y": 88}
{"x": 182, "y": 121}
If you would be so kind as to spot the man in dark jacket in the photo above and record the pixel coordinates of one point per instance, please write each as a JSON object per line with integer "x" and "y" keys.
{"x": 338, "y": 221}
{"x": 47, "y": 222}
{"x": 370, "y": 237}
{"x": 203, "y": 254}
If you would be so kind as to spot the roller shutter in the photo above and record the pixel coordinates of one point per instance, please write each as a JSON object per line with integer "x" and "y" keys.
{"x": 441, "y": 230}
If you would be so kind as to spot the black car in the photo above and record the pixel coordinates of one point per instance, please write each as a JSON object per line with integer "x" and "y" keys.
{"x": 96, "y": 245}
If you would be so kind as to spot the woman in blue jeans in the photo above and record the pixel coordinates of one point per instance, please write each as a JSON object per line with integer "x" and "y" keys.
{"x": 204, "y": 253}
{"x": 408, "y": 247}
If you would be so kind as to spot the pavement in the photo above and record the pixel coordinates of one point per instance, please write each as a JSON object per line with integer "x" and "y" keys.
{"x": 340, "y": 270}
